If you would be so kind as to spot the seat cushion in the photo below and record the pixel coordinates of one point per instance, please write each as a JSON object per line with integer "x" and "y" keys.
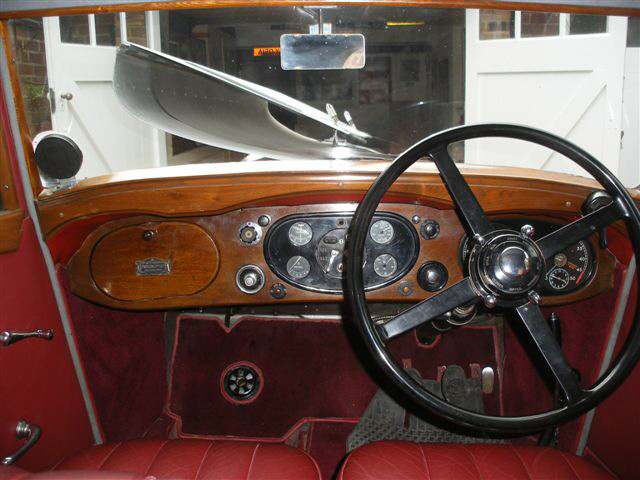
{"x": 430, "y": 461}
{"x": 197, "y": 459}
{"x": 9, "y": 473}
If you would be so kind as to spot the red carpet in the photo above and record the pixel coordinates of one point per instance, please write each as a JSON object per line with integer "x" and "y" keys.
{"x": 310, "y": 371}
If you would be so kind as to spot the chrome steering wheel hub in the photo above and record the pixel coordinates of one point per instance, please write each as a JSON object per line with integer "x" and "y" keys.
{"x": 506, "y": 265}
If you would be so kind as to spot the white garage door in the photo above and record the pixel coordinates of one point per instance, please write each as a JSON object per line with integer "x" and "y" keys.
{"x": 572, "y": 87}
{"x": 81, "y": 52}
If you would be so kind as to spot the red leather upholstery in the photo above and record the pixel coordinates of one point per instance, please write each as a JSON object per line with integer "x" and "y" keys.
{"x": 18, "y": 474}
{"x": 404, "y": 460}
{"x": 198, "y": 459}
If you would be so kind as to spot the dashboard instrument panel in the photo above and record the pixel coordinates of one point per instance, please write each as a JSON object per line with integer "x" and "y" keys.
{"x": 294, "y": 254}
{"x": 307, "y": 250}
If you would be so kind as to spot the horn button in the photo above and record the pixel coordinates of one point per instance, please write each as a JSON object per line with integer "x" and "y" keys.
{"x": 508, "y": 265}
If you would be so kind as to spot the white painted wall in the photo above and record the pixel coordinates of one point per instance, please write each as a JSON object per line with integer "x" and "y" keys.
{"x": 630, "y": 151}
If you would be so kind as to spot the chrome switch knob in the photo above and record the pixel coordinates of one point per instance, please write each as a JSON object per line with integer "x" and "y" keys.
{"x": 250, "y": 279}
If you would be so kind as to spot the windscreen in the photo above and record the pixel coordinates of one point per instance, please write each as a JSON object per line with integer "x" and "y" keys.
{"x": 201, "y": 76}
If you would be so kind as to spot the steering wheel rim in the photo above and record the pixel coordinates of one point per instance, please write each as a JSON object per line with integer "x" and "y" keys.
{"x": 434, "y": 146}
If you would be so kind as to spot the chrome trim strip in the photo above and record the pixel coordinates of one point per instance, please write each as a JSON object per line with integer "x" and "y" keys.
{"x": 55, "y": 284}
{"x": 611, "y": 344}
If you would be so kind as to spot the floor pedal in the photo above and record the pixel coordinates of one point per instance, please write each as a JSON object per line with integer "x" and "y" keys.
{"x": 384, "y": 419}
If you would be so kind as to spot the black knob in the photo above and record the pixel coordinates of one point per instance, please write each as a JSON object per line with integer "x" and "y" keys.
{"x": 430, "y": 229}
{"x": 148, "y": 235}
{"x": 432, "y": 276}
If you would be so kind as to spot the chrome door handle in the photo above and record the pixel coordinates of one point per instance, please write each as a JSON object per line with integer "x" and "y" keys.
{"x": 7, "y": 338}
{"x": 27, "y": 430}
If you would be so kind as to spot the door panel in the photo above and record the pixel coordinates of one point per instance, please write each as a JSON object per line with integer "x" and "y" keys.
{"x": 38, "y": 381}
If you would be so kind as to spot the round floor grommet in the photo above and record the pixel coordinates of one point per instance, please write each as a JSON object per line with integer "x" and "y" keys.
{"x": 241, "y": 382}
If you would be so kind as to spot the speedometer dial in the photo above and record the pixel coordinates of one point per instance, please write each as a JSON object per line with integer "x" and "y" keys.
{"x": 571, "y": 268}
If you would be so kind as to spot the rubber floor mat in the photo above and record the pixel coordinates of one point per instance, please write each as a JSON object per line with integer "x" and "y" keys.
{"x": 384, "y": 419}
{"x": 308, "y": 369}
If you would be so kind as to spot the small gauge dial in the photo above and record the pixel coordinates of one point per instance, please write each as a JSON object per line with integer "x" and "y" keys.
{"x": 558, "y": 278}
{"x": 300, "y": 233}
{"x": 385, "y": 265}
{"x": 298, "y": 267}
{"x": 381, "y": 232}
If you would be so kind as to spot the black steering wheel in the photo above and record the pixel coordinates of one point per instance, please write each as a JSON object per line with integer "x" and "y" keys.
{"x": 505, "y": 269}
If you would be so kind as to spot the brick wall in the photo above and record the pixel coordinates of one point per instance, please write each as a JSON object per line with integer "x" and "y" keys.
{"x": 28, "y": 52}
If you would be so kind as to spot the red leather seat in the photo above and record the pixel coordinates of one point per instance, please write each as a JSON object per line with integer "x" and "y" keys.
{"x": 404, "y": 460}
{"x": 197, "y": 459}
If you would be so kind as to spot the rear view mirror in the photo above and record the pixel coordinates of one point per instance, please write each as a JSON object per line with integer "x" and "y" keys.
{"x": 321, "y": 52}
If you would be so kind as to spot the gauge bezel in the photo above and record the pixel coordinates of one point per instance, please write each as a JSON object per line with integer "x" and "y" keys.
{"x": 375, "y": 260}
{"x": 310, "y": 234}
{"x": 373, "y": 224}
{"x": 303, "y": 258}
{"x": 404, "y": 246}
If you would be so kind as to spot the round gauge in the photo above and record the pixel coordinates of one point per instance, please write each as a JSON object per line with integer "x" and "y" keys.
{"x": 558, "y": 278}
{"x": 300, "y": 233}
{"x": 571, "y": 268}
{"x": 560, "y": 260}
{"x": 381, "y": 231}
{"x": 385, "y": 265}
{"x": 298, "y": 267}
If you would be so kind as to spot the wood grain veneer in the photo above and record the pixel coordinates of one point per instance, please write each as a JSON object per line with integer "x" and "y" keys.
{"x": 187, "y": 249}
{"x": 23, "y": 125}
{"x": 492, "y": 4}
{"x": 224, "y": 228}
{"x": 10, "y": 230}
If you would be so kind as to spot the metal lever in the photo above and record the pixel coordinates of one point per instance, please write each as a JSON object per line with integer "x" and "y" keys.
{"x": 27, "y": 430}
{"x": 7, "y": 338}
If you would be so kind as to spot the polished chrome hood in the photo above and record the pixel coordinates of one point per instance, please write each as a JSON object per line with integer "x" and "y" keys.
{"x": 218, "y": 109}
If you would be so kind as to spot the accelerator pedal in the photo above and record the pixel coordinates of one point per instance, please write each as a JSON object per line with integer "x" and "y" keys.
{"x": 384, "y": 419}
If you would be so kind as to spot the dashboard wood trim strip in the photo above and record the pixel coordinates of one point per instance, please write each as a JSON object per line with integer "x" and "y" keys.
{"x": 493, "y": 4}
{"x": 239, "y": 185}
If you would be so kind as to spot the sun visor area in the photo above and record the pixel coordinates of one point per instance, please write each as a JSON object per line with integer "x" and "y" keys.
{"x": 217, "y": 109}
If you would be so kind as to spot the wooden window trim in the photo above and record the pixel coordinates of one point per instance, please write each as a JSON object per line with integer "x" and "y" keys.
{"x": 23, "y": 126}
{"x": 11, "y": 215}
{"x": 489, "y": 4}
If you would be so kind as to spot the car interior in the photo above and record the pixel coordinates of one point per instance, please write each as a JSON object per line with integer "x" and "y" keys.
{"x": 299, "y": 239}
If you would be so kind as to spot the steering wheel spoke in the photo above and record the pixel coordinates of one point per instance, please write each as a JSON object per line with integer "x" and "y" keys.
{"x": 580, "y": 229}
{"x": 474, "y": 217}
{"x": 425, "y": 311}
{"x": 548, "y": 346}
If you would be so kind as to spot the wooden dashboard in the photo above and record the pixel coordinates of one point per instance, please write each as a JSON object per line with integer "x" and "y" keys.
{"x": 149, "y": 262}
{"x": 189, "y": 219}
